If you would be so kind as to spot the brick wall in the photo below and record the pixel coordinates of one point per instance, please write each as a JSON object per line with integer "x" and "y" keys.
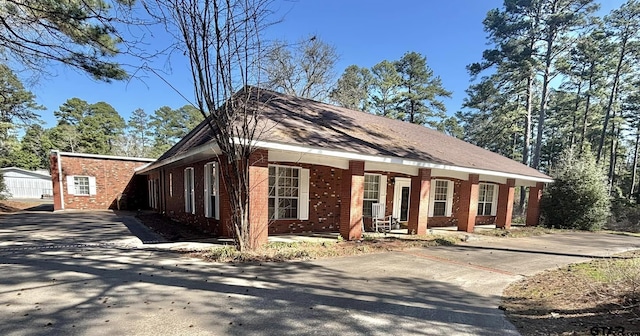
{"x": 115, "y": 183}
{"x": 174, "y": 194}
{"x": 324, "y": 203}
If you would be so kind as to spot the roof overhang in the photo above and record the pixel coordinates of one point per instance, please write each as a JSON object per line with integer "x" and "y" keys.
{"x": 211, "y": 148}
{"x": 99, "y": 156}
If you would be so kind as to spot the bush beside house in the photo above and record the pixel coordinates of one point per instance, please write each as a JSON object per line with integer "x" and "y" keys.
{"x": 578, "y": 198}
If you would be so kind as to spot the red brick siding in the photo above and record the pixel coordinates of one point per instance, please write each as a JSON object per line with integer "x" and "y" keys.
{"x": 114, "y": 181}
{"x": 324, "y": 203}
{"x": 55, "y": 175}
{"x": 175, "y": 199}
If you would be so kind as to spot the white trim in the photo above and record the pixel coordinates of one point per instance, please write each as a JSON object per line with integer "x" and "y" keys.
{"x": 207, "y": 191}
{"x": 92, "y": 186}
{"x": 191, "y": 152}
{"x": 303, "y": 194}
{"x": 189, "y": 193}
{"x": 61, "y": 187}
{"x": 71, "y": 185}
{"x": 299, "y": 198}
{"x": 342, "y": 154}
{"x": 448, "y": 211}
{"x": 494, "y": 197}
{"x": 170, "y": 184}
{"x": 400, "y": 182}
{"x": 387, "y": 159}
{"x": 100, "y": 156}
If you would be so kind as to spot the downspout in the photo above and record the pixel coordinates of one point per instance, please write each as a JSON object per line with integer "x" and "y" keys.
{"x": 57, "y": 152}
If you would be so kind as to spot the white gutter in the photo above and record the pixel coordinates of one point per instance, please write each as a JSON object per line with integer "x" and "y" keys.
{"x": 59, "y": 178}
{"x": 389, "y": 159}
{"x": 349, "y": 156}
{"x": 191, "y": 152}
{"x": 99, "y": 156}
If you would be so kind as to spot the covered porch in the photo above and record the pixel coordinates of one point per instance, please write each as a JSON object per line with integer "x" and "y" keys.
{"x": 417, "y": 195}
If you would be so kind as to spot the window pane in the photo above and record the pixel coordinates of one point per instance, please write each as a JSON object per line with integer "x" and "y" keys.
{"x": 439, "y": 208}
{"x": 81, "y": 184}
{"x": 272, "y": 208}
{"x": 366, "y": 209}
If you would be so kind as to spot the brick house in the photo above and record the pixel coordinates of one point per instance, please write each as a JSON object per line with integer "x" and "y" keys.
{"x": 97, "y": 182}
{"x": 319, "y": 168}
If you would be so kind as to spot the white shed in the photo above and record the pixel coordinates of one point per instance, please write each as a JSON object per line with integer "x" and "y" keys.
{"x": 23, "y": 183}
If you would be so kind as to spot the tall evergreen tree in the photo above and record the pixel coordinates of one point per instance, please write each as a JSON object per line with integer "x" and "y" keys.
{"x": 385, "y": 87}
{"x": 418, "y": 100}
{"x": 352, "y": 89}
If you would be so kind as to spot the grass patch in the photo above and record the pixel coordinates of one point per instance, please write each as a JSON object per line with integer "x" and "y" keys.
{"x": 307, "y": 250}
{"x": 518, "y": 231}
{"x": 579, "y": 299}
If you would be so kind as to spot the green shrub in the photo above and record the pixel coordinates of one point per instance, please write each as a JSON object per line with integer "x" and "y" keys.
{"x": 578, "y": 198}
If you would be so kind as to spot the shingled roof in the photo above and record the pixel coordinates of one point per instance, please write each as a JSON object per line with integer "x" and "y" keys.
{"x": 304, "y": 122}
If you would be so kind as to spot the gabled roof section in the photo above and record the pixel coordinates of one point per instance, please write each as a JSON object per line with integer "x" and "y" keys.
{"x": 304, "y": 122}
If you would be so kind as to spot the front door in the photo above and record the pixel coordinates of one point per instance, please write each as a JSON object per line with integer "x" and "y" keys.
{"x": 401, "y": 193}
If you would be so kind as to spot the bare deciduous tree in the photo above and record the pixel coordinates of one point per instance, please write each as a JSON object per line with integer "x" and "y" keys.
{"x": 304, "y": 69}
{"x": 221, "y": 39}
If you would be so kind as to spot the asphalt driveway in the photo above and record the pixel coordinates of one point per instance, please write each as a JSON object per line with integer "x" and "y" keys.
{"x": 87, "y": 274}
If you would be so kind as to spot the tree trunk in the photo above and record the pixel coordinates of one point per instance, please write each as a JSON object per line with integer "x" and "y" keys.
{"x": 586, "y": 108}
{"x": 527, "y": 133}
{"x": 574, "y": 121}
{"x": 612, "y": 97}
{"x": 543, "y": 100}
{"x": 634, "y": 166}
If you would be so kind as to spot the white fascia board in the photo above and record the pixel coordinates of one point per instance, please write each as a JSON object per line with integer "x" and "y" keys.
{"x": 386, "y": 159}
{"x": 193, "y": 151}
{"x": 99, "y": 156}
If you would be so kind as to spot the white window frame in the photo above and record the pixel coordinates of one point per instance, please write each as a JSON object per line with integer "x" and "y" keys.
{"x": 448, "y": 208}
{"x": 153, "y": 188}
{"x": 382, "y": 192}
{"x": 71, "y": 185}
{"x": 189, "y": 193}
{"x": 211, "y": 189}
{"x": 170, "y": 184}
{"x": 303, "y": 193}
{"x": 493, "y": 201}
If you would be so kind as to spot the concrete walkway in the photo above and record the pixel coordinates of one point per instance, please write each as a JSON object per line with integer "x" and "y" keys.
{"x": 86, "y": 274}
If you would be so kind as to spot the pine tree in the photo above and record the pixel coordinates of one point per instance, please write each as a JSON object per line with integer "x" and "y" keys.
{"x": 352, "y": 89}
{"x": 385, "y": 87}
{"x": 419, "y": 97}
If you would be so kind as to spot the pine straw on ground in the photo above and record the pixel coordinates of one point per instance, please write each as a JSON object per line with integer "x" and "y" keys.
{"x": 280, "y": 251}
{"x": 518, "y": 231}
{"x": 309, "y": 250}
{"x": 600, "y": 297}
{"x": 8, "y": 206}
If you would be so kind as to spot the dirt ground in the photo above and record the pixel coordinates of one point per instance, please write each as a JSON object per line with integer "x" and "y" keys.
{"x": 8, "y": 206}
{"x": 580, "y": 299}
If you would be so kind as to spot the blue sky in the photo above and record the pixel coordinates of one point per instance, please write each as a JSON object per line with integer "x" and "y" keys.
{"x": 364, "y": 32}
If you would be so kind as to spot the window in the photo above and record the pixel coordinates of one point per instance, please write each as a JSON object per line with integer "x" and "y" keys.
{"x": 371, "y": 193}
{"x": 486, "y": 199}
{"x": 81, "y": 185}
{"x": 153, "y": 192}
{"x": 189, "y": 195}
{"x": 170, "y": 185}
{"x": 284, "y": 190}
{"x": 441, "y": 198}
{"x": 211, "y": 191}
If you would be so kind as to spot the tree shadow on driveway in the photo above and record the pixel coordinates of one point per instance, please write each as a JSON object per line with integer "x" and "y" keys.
{"x": 142, "y": 292}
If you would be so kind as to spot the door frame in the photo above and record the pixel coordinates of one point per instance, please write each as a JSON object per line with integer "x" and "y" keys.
{"x": 400, "y": 182}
